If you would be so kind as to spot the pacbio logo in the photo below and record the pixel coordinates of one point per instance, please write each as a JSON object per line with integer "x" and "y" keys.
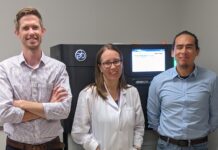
{"x": 80, "y": 55}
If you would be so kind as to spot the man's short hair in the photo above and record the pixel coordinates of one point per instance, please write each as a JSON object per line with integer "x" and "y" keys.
{"x": 24, "y": 12}
{"x": 188, "y": 33}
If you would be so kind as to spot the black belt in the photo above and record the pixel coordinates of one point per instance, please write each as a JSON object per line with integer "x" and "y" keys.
{"x": 184, "y": 143}
{"x": 53, "y": 144}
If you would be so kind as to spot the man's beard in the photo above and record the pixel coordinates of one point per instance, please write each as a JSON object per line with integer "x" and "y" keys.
{"x": 184, "y": 66}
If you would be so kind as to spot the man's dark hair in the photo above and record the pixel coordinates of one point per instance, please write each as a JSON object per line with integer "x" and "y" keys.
{"x": 188, "y": 33}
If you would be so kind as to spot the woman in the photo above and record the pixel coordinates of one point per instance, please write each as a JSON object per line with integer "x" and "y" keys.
{"x": 109, "y": 114}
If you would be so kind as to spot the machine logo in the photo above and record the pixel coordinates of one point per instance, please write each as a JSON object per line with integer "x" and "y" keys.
{"x": 80, "y": 55}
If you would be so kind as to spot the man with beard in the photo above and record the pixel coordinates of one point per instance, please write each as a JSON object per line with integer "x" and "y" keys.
{"x": 182, "y": 102}
{"x": 34, "y": 90}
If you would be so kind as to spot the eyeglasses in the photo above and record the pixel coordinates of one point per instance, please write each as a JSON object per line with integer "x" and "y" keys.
{"x": 108, "y": 64}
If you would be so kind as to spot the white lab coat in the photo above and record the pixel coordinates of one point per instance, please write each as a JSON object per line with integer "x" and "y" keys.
{"x": 104, "y": 123}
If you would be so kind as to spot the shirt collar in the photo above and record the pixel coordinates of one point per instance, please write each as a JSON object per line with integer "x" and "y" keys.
{"x": 193, "y": 74}
{"x": 22, "y": 60}
{"x": 122, "y": 99}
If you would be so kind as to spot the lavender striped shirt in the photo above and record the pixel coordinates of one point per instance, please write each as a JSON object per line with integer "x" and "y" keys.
{"x": 19, "y": 81}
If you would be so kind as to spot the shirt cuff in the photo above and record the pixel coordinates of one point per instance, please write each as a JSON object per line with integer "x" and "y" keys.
{"x": 20, "y": 114}
{"x": 92, "y": 145}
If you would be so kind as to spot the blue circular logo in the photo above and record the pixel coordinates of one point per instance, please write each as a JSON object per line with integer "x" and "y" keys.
{"x": 80, "y": 55}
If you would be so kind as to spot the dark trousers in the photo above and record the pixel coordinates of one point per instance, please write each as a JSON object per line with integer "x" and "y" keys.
{"x": 11, "y": 148}
{"x": 54, "y": 144}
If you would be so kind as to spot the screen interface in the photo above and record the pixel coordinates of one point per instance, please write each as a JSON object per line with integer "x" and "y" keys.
{"x": 148, "y": 60}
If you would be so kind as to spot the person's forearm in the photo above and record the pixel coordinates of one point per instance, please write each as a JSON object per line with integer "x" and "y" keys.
{"x": 33, "y": 107}
{"x": 55, "y": 109}
{"x": 10, "y": 114}
{"x": 28, "y": 116}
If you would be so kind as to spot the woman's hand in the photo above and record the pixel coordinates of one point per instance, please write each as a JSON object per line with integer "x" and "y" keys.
{"x": 98, "y": 148}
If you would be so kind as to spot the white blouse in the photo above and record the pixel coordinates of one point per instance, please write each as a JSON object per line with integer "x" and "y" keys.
{"x": 104, "y": 123}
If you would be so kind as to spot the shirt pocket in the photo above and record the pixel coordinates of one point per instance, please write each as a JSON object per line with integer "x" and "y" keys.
{"x": 45, "y": 91}
{"x": 20, "y": 91}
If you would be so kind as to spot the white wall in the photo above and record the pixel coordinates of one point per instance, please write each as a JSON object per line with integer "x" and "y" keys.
{"x": 123, "y": 21}
{"x": 93, "y": 21}
{"x": 200, "y": 17}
